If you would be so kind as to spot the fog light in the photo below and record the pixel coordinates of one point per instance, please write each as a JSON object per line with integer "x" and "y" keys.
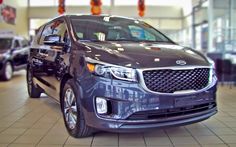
{"x": 101, "y": 105}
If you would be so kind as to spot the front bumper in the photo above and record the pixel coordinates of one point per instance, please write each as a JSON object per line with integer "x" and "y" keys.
{"x": 128, "y": 100}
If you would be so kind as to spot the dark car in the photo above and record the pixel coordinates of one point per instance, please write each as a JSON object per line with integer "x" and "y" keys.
{"x": 14, "y": 53}
{"x": 119, "y": 74}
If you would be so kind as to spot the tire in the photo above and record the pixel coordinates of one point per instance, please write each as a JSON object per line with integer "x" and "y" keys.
{"x": 7, "y": 71}
{"x": 72, "y": 112}
{"x": 33, "y": 91}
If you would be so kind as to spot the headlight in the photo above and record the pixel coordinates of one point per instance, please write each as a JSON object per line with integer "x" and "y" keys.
{"x": 212, "y": 71}
{"x": 110, "y": 71}
{"x": 211, "y": 62}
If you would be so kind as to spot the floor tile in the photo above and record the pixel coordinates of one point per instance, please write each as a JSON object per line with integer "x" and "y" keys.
{"x": 51, "y": 145}
{"x": 224, "y": 131}
{"x": 200, "y": 131}
{"x": 21, "y": 145}
{"x": 230, "y": 139}
{"x": 54, "y": 139}
{"x": 178, "y": 132}
{"x": 208, "y": 140}
{"x": 183, "y": 140}
{"x": 79, "y": 141}
{"x": 155, "y": 133}
{"x": 6, "y": 139}
{"x": 14, "y": 131}
{"x": 5, "y": 124}
{"x": 215, "y": 145}
{"x": 188, "y": 145}
{"x": 152, "y": 141}
{"x": 105, "y": 139}
{"x": 33, "y": 131}
{"x": 28, "y": 139}
{"x": 131, "y": 140}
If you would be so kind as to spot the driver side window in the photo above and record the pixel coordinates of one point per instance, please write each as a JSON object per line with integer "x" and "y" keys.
{"x": 46, "y": 32}
{"x": 57, "y": 27}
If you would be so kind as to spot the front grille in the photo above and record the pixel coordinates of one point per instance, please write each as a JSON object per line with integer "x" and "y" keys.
{"x": 169, "y": 81}
{"x": 173, "y": 112}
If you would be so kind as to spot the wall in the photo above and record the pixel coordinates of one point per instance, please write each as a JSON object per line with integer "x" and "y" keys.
{"x": 21, "y": 26}
{"x": 164, "y": 17}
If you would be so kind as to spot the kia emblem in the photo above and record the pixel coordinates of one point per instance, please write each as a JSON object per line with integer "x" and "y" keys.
{"x": 181, "y": 62}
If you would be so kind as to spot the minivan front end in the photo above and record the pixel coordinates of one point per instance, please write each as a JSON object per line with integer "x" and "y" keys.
{"x": 124, "y": 99}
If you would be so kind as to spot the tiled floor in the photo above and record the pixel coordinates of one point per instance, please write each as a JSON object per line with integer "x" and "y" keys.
{"x": 28, "y": 122}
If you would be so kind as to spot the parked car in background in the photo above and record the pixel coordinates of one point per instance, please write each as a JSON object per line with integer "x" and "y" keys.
{"x": 14, "y": 51}
{"x": 119, "y": 74}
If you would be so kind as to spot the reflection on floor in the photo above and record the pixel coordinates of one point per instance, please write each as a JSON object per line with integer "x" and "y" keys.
{"x": 38, "y": 122}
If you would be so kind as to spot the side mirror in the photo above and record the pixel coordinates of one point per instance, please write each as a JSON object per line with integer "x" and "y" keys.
{"x": 53, "y": 40}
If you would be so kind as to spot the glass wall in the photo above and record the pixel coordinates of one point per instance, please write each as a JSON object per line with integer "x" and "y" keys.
{"x": 224, "y": 35}
{"x": 195, "y": 32}
{"x": 50, "y": 3}
{"x": 35, "y": 24}
{"x": 181, "y": 3}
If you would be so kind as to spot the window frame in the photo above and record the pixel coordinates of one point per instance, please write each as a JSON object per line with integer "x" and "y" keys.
{"x": 50, "y": 23}
{"x": 14, "y": 43}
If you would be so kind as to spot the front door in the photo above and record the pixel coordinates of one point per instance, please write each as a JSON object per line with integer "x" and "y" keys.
{"x": 53, "y": 58}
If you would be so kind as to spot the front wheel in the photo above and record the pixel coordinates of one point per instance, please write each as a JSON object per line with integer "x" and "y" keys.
{"x": 7, "y": 71}
{"x": 72, "y": 113}
{"x": 33, "y": 91}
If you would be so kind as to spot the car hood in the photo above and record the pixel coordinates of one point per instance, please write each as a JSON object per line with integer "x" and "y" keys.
{"x": 143, "y": 55}
{"x": 2, "y": 51}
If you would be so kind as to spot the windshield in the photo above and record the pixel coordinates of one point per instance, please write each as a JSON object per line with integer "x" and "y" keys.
{"x": 115, "y": 29}
{"x": 5, "y": 43}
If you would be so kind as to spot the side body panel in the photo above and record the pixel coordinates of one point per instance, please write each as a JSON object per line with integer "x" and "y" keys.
{"x": 50, "y": 62}
{"x": 19, "y": 55}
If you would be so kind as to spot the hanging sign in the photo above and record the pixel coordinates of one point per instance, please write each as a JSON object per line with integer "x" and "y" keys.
{"x": 61, "y": 7}
{"x": 96, "y": 7}
{"x": 141, "y": 7}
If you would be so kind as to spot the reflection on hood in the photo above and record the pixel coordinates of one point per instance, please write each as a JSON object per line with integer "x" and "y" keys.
{"x": 143, "y": 55}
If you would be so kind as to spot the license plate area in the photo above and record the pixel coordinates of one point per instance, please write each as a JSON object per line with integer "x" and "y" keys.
{"x": 188, "y": 101}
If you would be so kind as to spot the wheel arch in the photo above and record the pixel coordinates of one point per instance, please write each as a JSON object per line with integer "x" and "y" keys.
{"x": 65, "y": 78}
{"x": 11, "y": 62}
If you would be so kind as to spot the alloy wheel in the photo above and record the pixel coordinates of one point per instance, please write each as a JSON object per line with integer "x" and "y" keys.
{"x": 8, "y": 71}
{"x": 70, "y": 108}
{"x": 29, "y": 81}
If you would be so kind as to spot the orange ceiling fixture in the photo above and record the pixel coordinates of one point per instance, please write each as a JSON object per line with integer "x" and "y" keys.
{"x": 96, "y": 7}
{"x": 61, "y": 7}
{"x": 141, "y": 7}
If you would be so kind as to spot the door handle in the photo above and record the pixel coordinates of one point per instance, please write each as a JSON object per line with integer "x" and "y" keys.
{"x": 43, "y": 54}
